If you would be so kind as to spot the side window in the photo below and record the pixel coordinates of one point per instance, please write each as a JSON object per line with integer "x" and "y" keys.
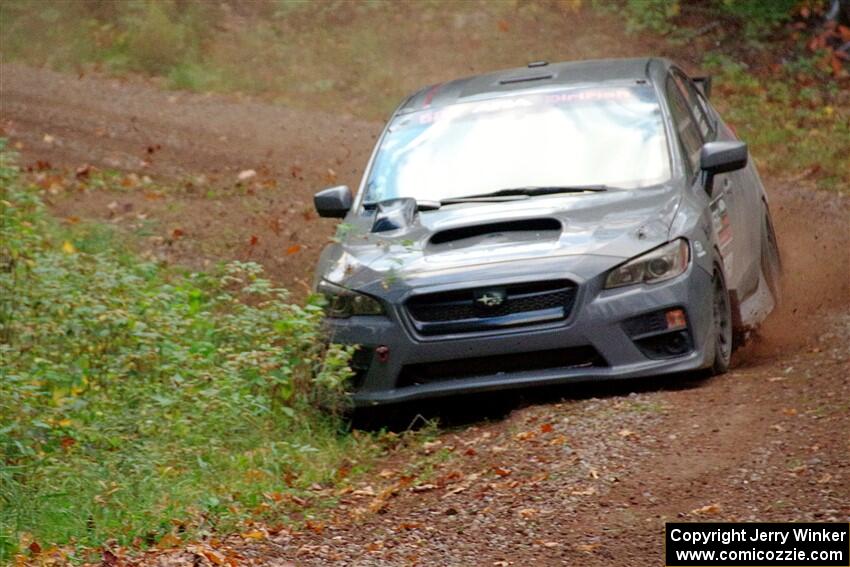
{"x": 686, "y": 128}
{"x": 696, "y": 104}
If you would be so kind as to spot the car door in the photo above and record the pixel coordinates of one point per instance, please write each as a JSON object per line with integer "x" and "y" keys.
{"x": 744, "y": 187}
{"x": 696, "y": 127}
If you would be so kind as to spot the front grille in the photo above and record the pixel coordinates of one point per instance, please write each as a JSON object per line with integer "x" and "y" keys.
{"x": 562, "y": 358}
{"x": 468, "y": 310}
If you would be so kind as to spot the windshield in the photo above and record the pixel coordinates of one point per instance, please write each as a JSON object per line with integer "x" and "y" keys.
{"x": 610, "y": 136}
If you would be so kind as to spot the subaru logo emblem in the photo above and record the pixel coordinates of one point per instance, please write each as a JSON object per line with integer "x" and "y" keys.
{"x": 490, "y": 298}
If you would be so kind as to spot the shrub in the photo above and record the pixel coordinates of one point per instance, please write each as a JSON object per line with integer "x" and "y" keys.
{"x": 134, "y": 399}
{"x": 651, "y": 15}
{"x": 757, "y": 16}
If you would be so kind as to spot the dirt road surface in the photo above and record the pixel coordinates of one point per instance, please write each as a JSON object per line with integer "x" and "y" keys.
{"x": 579, "y": 475}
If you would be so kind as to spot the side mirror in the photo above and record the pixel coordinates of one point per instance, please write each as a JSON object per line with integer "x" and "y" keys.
{"x": 334, "y": 202}
{"x": 721, "y": 157}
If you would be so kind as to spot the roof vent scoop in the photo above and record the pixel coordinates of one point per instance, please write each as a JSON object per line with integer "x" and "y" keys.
{"x": 395, "y": 214}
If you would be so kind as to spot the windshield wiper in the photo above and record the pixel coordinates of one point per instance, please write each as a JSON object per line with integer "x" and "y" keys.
{"x": 525, "y": 192}
{"x": 512, "y": 194}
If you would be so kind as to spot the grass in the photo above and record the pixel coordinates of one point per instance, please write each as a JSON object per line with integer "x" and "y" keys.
{"x": 791, "y": 129}
{"x": 140, "y": 402}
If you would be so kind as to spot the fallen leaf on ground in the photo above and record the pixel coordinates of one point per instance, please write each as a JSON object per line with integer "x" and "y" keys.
{"x": 423, "y": 488}
{"x": 214, "y": 557}
{"x": 246, "y": 174}
{"x": 83, "y": 171}
{"x": 109, "y": 559}
{"x": 375, "y": 546}
{"x": 456, "y": 490}
{"x": 254, "y": 534}
{"x": 298, "y": 500}
{"x": 626, "y": 433}
{"x": 501, "y": 471}
{"x": 525, "y": 435}
{"x": 707, "y": 510}
{"x": 168, "y": 540}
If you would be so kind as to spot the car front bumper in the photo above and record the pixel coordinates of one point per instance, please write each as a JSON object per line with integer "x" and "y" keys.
{"x": 390, "y": 348}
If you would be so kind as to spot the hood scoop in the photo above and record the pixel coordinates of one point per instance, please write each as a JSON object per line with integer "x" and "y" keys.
{"x": 395, "y": 214}
{"x": 544, "y": 229}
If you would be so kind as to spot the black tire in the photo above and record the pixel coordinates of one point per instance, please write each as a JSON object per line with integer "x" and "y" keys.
{"x": 721, "y": 323}
{"x": 771, "y": 262}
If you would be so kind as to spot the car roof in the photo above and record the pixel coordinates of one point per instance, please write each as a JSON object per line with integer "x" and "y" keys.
{"x": 536, "y": 76}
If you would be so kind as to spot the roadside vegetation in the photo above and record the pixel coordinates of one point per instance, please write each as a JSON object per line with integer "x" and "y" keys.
{"x": 145, "y": 404}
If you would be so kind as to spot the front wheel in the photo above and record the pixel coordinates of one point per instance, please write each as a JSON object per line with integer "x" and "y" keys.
{"x": 722, "y": 324}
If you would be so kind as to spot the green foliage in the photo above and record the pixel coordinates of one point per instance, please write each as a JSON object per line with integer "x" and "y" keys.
{"x": 756, "y": 17}
{"x": 789, "y": 127}
{"x": 650, "y": 15}
{"x": 131, "y": 396}
{"x": 759, "y": 17}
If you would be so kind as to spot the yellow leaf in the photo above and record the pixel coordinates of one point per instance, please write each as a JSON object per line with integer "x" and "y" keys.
{"x": 707, "y": 510}
{"x": 58, "y": 397}
{"x": 215, "y": 557}
{"x": 64, "y": 422}
{"x": 168, "y": 540}
{"x": 254, "y": 534}
{"x": 68, "y": 248}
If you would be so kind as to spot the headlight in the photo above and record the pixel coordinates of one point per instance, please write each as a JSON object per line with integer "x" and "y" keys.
{"x": 663, "y": 263}
{"x": 342, "y": 303}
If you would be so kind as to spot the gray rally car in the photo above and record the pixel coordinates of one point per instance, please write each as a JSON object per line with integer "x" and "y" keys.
{"x": 553, "y": 223}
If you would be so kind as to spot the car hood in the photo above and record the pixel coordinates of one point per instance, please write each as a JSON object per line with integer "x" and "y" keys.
{"x": 616, "y": 224}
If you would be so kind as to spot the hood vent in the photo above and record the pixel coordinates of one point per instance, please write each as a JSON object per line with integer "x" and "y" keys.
{"x": 394, "y": 214}
{"x": 528, "y": 225}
